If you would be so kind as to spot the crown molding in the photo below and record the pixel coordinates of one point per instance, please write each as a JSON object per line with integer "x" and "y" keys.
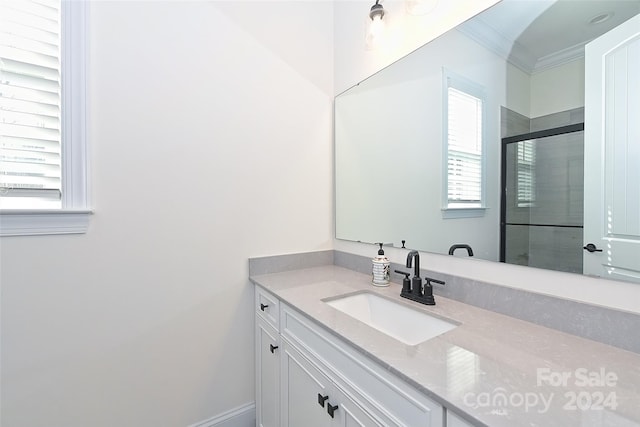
{"x": 514, "y": 52}
{"x": 560, "y": 57}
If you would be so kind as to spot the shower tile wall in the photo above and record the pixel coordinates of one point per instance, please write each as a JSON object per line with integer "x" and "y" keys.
{"x": 563, "y": 118}
{"x": 559, "y": 171}
{"x": 554, "y": 248}
{"x": 512, "y": 123}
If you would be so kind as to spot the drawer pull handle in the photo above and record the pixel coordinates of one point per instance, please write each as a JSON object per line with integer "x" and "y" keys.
{"x": 273, "y": 348}
{"x": 263, "y": 306}
{"x": 322, "y": 399}
{"x": 331, "y": 409}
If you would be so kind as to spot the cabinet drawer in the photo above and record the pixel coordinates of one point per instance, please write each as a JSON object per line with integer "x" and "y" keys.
{"x": 267, "y": 307}
{"x": 361, "y": 378}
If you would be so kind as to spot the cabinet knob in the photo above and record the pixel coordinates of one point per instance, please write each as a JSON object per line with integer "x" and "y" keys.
{"x": 331, "y": 409}
{"x": 263, "y": 306}
{"x": 273, "y": 348}
{"x": 322, "y": 399}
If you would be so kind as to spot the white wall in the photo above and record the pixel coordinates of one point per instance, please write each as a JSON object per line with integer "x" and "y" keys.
{"x": 351, "y": 65}
{"x": 211, "y": 142}
{"x": 518, "y": 90}
{"x": 558, "y": 88}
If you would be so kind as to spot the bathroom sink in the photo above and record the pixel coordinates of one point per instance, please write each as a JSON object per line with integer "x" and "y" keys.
{"x": 396, "y": 320}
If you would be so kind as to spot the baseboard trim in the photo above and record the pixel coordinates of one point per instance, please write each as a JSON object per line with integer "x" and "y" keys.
{"x": 242, "y": 416}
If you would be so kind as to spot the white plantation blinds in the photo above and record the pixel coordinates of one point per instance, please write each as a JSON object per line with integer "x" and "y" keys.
{"x": 464, "y": 149}
{"x": 30, "y": 104}
{"x": 526, "y": 174}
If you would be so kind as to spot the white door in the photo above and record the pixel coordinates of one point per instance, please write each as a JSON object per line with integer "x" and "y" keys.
{"x": 612, "y": 154}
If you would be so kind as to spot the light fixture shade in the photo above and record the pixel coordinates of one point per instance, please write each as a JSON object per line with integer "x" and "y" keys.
{"x": 375, "y": 25}
{"x": 376, "y": 12}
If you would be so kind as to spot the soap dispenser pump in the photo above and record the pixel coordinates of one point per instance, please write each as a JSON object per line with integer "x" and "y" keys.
{"x": 380, "y": 268}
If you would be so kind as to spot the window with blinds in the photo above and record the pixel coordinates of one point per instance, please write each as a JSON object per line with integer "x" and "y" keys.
{"x": 30, "y": 104}
{"x": 464, "y": 141}
{"x": 526, "y": 190}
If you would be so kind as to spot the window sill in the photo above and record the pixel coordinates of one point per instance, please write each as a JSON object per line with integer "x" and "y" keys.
{"x": 452, "y": 213}
{"x": 21, "y": 222}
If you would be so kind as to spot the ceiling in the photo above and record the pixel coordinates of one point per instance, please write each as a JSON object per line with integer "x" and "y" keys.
{"x": 536, "y": 34}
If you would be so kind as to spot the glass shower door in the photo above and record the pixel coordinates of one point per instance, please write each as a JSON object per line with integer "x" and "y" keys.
{"x": 542, "y": 199}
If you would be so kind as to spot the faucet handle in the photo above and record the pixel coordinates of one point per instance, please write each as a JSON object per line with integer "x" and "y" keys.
{"x": 406, "y": 283}
{"x": 429, "y": 280}
{"x": 428, "y": 290}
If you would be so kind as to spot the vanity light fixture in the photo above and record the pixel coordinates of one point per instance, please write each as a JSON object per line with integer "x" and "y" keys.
{"x": 376, "y": 12}
{"x": 376, "y": 26}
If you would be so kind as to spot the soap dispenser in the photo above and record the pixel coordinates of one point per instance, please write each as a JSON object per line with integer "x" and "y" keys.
{"x": 380, "y": 268}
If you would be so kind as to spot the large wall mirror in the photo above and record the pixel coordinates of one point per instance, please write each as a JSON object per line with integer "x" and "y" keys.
{"x": 505, "y": 134}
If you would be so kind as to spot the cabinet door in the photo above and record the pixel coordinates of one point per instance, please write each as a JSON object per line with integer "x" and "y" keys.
{"x": 267, "y": 375}
{"x": 350, "y": 414}
{"x": 304, "y": 392}
{"x": 311, "y": 399}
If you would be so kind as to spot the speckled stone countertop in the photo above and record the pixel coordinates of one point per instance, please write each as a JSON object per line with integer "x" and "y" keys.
{"x": 492, "y": 369}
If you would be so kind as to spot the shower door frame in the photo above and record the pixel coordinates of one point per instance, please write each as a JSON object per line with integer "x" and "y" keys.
{"x": 503, "y": 175}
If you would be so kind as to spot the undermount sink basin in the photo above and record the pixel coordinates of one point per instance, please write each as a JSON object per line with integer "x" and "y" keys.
{"x": 396, "y": 320}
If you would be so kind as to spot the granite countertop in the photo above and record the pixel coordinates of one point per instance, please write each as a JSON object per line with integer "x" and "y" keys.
{"x": 492, "y": 369}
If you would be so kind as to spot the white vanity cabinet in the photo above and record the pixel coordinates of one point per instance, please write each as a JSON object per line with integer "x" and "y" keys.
{"x": 306, "y": 376}
{"x": 383, "y": 398}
